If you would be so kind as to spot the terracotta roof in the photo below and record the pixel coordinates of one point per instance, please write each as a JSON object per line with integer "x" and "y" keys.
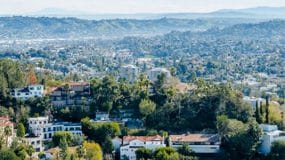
{"x": 6, "y": 118}
{"x": 142, "y": 138}
{"x": 195, "y": 138}
{"x": 5, "y": 121}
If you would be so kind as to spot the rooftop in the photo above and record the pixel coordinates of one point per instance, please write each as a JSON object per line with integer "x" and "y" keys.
{"x": 142, "y": 138}
{"x": 195, "y": 138}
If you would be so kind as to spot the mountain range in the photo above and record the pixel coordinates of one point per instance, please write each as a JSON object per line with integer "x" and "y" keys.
{"x": 19, "y": 27}
{"x": 258, "y": 12}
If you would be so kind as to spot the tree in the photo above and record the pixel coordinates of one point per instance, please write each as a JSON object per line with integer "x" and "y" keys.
{"x": 257, "y": 114}
{"x": 93, "y": 151}
{"x": 81, "y": 152}
{"x": 105, "y": 93}
{"x": 108, "y": 147}
{"x": 31, "y": 76}
{"x": 267, "y": 110}
{"x": 185, "y": 150}
{"x": 7, "y": 133}
{"x": 166, "y": 153}
{"x": 8, "y": 155}
{"x": 261, "y": 109}
{"x": 240, "y": 140}
{"x": 41, "y": 155}
{"x": 2, "y": 142}
{"x": 146, "y": 107}
{"x": 277, "y": 150}
{"x": 20, "y": 151}
{"x": 30, "y": 150}
{"x": 144, "y": 154}
{"x": 100, "y": 132}
{"x": 172, "y": 71}
{"x": 11, "y": 75}
{"x": 63, "y": 145}
{"x": 58, "y": 136}
{"x": 20, "y": 130}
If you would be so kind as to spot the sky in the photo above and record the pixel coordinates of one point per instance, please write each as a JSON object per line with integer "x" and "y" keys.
{"x": 131, "y": 6}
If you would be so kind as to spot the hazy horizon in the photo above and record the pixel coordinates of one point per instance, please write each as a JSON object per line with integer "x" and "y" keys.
{"x": 131, "y": 6}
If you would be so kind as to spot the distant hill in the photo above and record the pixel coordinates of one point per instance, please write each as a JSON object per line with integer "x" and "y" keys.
{"x": 240, "y": 38}
{"x": 258, "y": 12}
{"x": 19, "y": 27}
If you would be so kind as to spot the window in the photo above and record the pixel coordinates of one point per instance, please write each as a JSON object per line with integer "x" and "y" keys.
{"x": 31, "y": 88}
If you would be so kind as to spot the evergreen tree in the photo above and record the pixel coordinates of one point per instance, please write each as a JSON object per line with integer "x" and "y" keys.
{"x": 63, "y": 146}
{"x": 257, "y": 113}
{"x": 20, "y": 130}
{"x": 261, "y": 109}
{"x": 267, "y": 110}
{"x": 7, "y": 133}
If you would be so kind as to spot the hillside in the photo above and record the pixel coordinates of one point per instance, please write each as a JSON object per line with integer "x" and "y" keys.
{"x": 240, "y": 38}
{"x": 43, "y": 27}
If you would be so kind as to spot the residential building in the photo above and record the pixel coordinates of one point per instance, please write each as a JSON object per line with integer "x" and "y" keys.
{"x": 270, "y": 135}
{"x": 199, "y": 143}
{"x": 131, "y": 143}
{"x": 35, "y": 141}
{"x": 129, "y": 73}
{"x": 117, "y": 142}
{"x": 102, "y": 116}
{"x": 253, "y": 101}
{"x": 75, "y": 93}
{"x": 37, "y": 124}
{"x": 49, "y": 130}
{"x": 28, "y": 92}
{"x": 155, "y": 72}
{"x": 5, "y": 122}
{"x": 40, "y": 127}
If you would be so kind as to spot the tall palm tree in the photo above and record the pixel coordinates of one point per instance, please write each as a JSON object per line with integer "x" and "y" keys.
{"x": 7, "y": 133}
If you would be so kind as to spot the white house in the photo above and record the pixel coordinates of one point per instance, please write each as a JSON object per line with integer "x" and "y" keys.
{"x": 102, "y": 116}
{"x": 37, "y": 124}
{"x": 129, "y": 72}
{"x": 28, "y": 92}
{"x": 117, "y": 142}
{"x": 199, "y": 143}
{"x": 42, "y": 130}
{"x": 253, "y": 101}
{"x": 155, "y": 72}
{"x": 270, "y": 135}
{"x": 50, "y": 129}
{"x": 132, "y": 143}
{"x": 35, "y": 141}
